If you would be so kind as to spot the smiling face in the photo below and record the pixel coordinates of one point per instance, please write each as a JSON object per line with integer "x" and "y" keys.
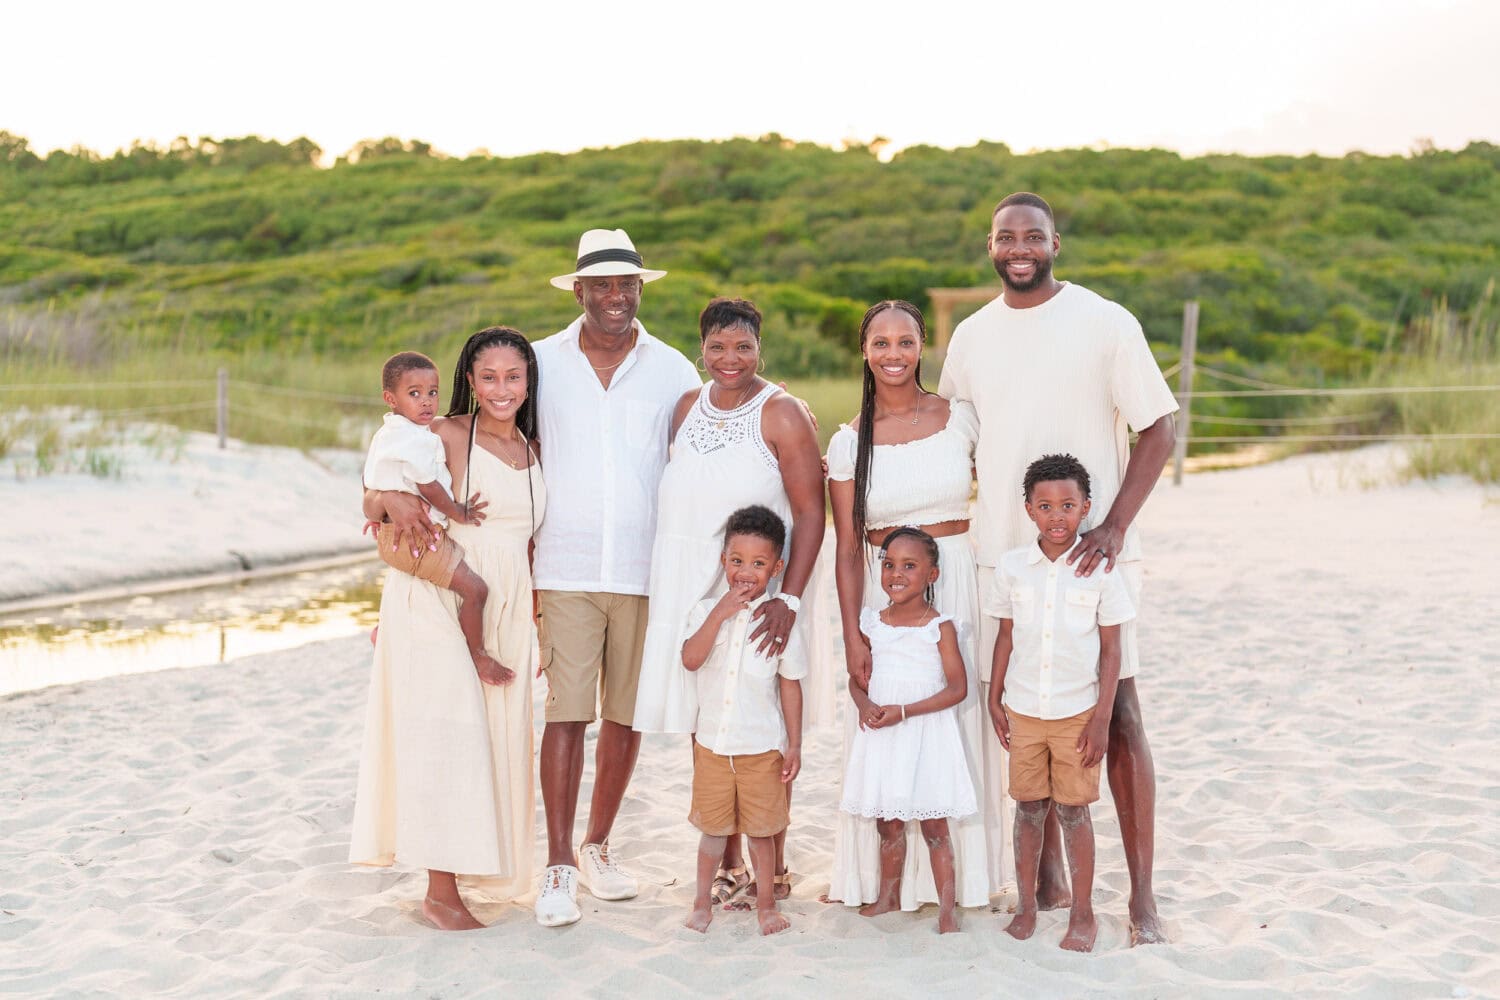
{"x": 906, "y": 570}
{"x": 609, "y": 302}
{"x": 731, "y": 354}
{"x": 1023, "y": 245}
{"x": 1057, "y": 507}
{"x": 415, "y": 396}
{"x": 893, "y": 348}
{"x": 750, "y": 562}
{"x": 499, "y": 381}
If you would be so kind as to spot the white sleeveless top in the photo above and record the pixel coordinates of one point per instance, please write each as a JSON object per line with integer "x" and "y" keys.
{"x": 917, "y": 482}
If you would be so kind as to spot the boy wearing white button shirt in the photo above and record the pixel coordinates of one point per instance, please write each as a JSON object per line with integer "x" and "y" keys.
{"x": 1052, "y": 686}
{"x": 748, "y": 743}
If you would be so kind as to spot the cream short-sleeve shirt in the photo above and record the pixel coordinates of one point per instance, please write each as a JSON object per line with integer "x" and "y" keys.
{"x": 1073, "y": 375}
{"x": 739, "y": 695}
{"x": 1054, "y": 661}
{"x": 403, "y": 456}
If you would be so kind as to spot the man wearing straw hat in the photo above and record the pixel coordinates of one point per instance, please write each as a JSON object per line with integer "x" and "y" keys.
{"x": 604, "y": 422}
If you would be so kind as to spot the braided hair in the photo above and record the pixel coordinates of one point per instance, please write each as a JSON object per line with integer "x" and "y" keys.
{"x": 463, "y": 403}
{"x": 865, "y": 450}
{"x": 927, "y": 542}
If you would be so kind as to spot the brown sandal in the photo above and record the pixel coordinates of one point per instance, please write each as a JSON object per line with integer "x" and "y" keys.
{"x": 781, "y": 886}
{"x": 729, "y": 883}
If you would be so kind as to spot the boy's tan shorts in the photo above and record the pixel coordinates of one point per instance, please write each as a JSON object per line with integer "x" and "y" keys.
{"x": 1045, "y": 762}
{"x": 741, "y": 794}
{"x": 595, "y": 657}
{"x": 436, "y": 567}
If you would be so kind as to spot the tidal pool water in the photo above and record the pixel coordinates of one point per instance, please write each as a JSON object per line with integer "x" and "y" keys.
{"x": 187, "y": 628}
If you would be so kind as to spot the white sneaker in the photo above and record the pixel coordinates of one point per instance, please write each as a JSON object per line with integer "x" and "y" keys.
{"x": 557, "y": 904}
{"x": 602, "y": 875}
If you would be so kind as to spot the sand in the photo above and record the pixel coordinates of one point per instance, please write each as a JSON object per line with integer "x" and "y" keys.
{"x": 175, "y": 505}
{"x": 1317, "y": 689}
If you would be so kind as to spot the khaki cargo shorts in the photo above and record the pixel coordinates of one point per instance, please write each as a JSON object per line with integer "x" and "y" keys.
{"x": 593, "y": 665}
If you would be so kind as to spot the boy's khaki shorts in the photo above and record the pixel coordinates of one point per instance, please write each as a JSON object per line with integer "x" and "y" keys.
{"x": 741, "y": 794}
{"x": 437, "y": 568}
{"x": 594, "y": 663}
{"x": 1045, "y": 762}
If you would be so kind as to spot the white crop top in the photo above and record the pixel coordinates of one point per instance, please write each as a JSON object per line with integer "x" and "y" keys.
{"x": 919, "y": 482}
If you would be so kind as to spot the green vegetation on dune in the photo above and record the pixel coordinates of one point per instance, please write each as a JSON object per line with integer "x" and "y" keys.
{"x": 242, "y": 252}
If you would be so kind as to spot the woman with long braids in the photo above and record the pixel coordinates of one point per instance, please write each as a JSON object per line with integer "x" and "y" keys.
{"x": 445, "y": 780}
{"x": 737, "y": 441}
{"x": 907, "y": 460}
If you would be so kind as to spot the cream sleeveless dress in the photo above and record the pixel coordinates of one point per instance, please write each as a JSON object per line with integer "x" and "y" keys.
{"x": 926, "y": 481}
{"x": 719, "y": 463}
{"x": 446, "y": 776}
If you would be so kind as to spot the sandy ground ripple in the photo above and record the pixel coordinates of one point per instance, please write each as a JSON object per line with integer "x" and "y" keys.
{"x": 1319, "y": 690}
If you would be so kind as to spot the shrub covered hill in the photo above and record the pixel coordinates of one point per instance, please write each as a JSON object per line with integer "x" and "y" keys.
{"x": 1305, "y": 266}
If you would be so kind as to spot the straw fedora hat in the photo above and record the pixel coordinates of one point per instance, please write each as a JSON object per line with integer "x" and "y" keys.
{"x": 605, "y": 252}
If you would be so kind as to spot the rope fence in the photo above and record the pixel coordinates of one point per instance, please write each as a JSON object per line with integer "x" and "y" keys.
{"x": 1184, "y": 370}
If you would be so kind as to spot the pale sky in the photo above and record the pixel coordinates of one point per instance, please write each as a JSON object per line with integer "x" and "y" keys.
{"x": 1276, "y": 76}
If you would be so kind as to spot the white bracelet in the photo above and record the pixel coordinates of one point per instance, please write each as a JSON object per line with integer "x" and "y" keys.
{"x": 903, "y": 713}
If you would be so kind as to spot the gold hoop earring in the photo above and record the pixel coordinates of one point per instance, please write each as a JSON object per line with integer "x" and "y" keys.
{"x": 701, "y": 365}
{"x": 760, "y": 367}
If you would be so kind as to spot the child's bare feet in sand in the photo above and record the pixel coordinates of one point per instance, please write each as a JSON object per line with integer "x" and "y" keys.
{"x": 1022, "y": 925}
{"x": 490, "y": 670}
{"x": 771, "y": 921}
{"x": 447, "y": 917}
{"x": 1081, "y": 931}
{"x": 700, "y": 918}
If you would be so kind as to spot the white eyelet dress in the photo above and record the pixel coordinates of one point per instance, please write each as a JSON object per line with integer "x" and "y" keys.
{"x": 719, "y": 463}
{"x": 926, "y": 481}
{"x": 916, "y": 769}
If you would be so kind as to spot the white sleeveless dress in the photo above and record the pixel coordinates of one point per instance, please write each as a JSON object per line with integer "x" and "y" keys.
{"x": 926, "y": 481}
{"x": 917, "y": 769}
{"x": 719, "y": 463}
{"x": 446, "y": 776}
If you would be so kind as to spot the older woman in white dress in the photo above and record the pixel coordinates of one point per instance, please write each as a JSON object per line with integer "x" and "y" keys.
{"x": 737, "y": 441}
{"x": 908, "y": 460}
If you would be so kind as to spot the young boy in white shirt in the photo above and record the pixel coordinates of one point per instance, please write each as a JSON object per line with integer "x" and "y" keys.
{"x": 1052, "y": 685}
{"x": 748, "y": 743}
{"x": 407, "y": 456}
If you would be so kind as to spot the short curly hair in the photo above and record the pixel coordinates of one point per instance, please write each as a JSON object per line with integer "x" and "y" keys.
{"x": 399, "y": 364}
{"x": 758, "y": 522}
{"x": 1049, "y": 468}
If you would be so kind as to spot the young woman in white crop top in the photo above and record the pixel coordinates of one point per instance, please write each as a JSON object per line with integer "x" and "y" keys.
{"x": 908, "y": 460}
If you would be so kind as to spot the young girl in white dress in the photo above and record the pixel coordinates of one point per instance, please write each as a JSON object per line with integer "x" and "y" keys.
{"x": 907, "y": 760}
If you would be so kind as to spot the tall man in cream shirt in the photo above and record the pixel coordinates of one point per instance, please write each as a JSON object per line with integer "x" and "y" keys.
{"x": 1053, "y": 367}
{"x": 604, "y": 416}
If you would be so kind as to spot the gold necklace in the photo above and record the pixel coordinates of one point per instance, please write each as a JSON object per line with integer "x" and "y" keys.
{"x": 501, "y": 443}
{"x": 916, "y": 411}
{"x": 738, "y": 403}
{"x": 634, "y": 334}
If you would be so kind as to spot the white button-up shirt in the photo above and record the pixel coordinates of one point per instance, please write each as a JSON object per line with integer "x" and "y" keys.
{"x": 1054, "y": 660}
{"x": 739, "y": 696}
{"x": 403, "y": 456}
{"x": 603, "y": 452}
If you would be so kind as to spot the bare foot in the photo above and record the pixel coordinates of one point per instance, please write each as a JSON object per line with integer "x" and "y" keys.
{"x": 490, "y": 670}
{"x": 885, "y": 904}
{"x": 700, "y": 918}
{"x": 771, "y": 921}
{"x": 373, "y": 633}
{"x": 1145, "y": 925}
{"x": 1081, "y": 933}
{"x": 947, "y": 922}
{"x": 1053, "y": 895}
{"x": 1022, "y": 925}
{"x": 447, "y": 917}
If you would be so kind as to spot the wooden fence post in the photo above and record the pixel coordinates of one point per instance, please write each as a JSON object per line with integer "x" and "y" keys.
{"x": 1185, "y": 387}
{"x": 223, "y": 421}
